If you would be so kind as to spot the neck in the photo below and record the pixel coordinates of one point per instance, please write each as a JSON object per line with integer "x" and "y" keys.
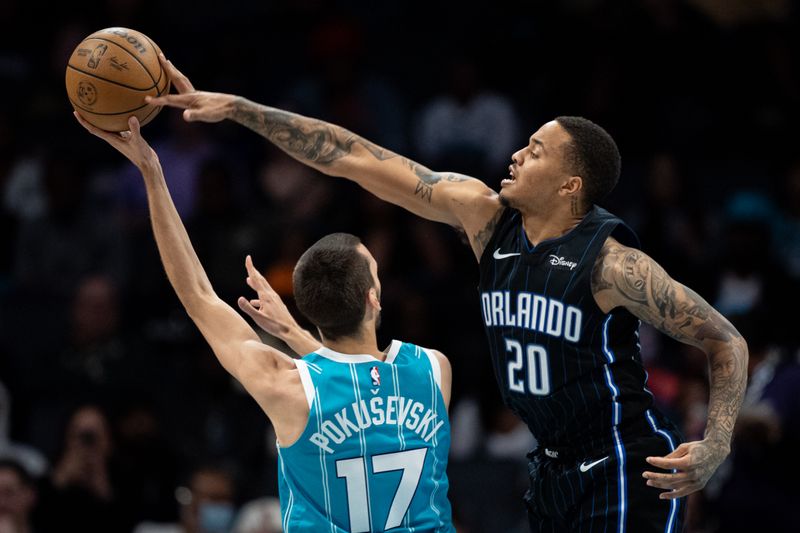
{"x": 365, "y": 342}
{"x": 541, "y": 227}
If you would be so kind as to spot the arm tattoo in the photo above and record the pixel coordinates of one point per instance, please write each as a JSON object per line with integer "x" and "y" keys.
{"x": 306, "y": 139}
{"x": 320, "y": 143}
{"x": 647, "y": 291}
{"x": 429, "y": 178}
{"x": 481, "y": 239}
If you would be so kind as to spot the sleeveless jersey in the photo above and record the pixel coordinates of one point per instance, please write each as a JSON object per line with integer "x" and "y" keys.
{"x": 373, "y": 455}
{"x": 570, "y": 371}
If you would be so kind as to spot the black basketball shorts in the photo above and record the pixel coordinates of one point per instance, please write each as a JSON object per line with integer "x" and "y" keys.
{"x": 605, "y": 492}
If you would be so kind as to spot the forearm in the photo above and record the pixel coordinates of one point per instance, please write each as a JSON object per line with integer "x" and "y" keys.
{"x": 313, "y": 142}
{"x": 727, "y": 382}
{"x": 180, "y": 261}
{"x": 333, "y": 150}
{"x": 300, "y": 341}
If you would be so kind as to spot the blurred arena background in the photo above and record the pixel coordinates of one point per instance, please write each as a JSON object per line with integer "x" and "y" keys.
{"x": 702, "y": 96}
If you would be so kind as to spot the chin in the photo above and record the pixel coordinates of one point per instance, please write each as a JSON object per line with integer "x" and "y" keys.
{"x": 505, "y": 201}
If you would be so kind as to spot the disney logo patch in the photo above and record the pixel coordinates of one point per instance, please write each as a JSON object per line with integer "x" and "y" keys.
{"x": 560, "y": 263}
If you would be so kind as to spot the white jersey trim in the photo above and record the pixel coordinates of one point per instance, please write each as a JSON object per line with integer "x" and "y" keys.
{"x": 305, "y": 379}
{"x": 339, "y": 357}
{"x": 394, "y": 349}
{"x": 437, "y": 370}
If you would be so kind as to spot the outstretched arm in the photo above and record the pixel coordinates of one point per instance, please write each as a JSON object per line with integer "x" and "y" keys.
{"x": 627, "y": 277}
{"x": 234, "y": 342}
{"x": 271, "y": 314}
{"x": 454, "y": 199}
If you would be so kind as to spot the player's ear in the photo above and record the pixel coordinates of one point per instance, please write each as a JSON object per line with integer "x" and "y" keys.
{"x": 571, "y": 185}
{"x": 373, "y": 299}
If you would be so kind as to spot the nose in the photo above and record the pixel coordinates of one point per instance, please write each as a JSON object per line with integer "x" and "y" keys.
{"x": 516, "y": 157}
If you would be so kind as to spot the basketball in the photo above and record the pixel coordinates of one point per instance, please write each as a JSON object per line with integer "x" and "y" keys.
{"x": 110, "y": 73}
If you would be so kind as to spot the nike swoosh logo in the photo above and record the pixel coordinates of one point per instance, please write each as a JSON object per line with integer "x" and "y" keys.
{"x": 498, "y": 255}
{"x": 585, "y": 468}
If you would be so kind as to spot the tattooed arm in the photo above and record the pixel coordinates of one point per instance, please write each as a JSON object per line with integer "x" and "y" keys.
{"x": 454, "y": 199}
{"x": 627, "y": 277}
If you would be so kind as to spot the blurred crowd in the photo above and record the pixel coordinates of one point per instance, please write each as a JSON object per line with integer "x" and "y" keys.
{"x": 115, "y": 415}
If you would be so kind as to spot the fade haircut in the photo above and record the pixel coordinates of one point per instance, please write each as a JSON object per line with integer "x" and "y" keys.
{"x": 593, "y": 155}
{"x": 331, "y": 281}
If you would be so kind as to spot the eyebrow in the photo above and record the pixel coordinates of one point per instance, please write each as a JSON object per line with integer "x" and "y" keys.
{"x": 536, "y": 142}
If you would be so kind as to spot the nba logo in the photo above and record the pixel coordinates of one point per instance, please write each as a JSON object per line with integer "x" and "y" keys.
{"x": 375, "y": 375}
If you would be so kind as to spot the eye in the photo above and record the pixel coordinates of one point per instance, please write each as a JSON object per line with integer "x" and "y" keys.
{"x": 534, "y": 155}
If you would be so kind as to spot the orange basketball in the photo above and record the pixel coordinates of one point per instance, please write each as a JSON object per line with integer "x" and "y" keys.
{"x": 110, "y": 73}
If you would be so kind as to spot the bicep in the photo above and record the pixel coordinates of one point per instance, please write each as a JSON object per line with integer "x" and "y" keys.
{"x": 629, "y": 278}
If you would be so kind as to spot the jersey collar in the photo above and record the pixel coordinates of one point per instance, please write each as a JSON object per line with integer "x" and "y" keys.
{"x": 339, "y": 357}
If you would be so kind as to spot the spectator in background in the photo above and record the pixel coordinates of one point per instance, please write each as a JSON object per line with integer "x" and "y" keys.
{"x": 262, "y": 515}
{"x": 750, "y": 279}
{"x": 669, "y": 221}
{"x": 27, "y": 456}
{"x": 61, "y": 241}
{"x": 206, "y": 504}
{"x": 17, "y": 498}
{"x": 80, "y": 490}
{"x": 146, "y": 467}
{"x": 787, "y": 240}
{"x": 182, "y": 155}
{"x": 756, "y": 488}
{"x": 468, "y": 128}
{"x": 221, "y": 231}
{"x": 344, "y": 91}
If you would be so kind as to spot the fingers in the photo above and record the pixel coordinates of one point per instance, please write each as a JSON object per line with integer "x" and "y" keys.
{"x": 680, "y": 492}
{"x": 181, "y": 101}
{"x": 667, "y": 481}
{"x": 680, "y": 451}
{"x": 247, "y": 307}
{"x": 133, "y": 124}
{"x": 256, "y": 280}
{"x": 179, "y": 80}
{"x": 681, "y": 463}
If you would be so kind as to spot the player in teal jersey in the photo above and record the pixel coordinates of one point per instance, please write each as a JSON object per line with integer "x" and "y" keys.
{"x": 363, "y": 434}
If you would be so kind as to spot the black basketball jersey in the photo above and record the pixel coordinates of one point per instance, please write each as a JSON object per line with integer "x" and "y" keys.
{"x": 566, "y": 368}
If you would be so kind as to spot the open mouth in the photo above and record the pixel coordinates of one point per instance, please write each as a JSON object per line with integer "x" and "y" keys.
{"x": 509, "y": 180}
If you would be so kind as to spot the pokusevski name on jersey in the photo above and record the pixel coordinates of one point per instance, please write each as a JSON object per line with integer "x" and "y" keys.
{"x": 396, "y": 410}
{"x": 532, "y": 311}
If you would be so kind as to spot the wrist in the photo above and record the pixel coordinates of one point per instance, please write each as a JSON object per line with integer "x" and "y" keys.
{"x": 149, "y": 165}
{"x": 236, "y": 105}
{"x": 718, "y": 440}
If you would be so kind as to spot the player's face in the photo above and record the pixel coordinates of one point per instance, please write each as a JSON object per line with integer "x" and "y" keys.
{"x": 537, "y": 170}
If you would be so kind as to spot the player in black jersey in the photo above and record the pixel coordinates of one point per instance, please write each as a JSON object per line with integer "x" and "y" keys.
{"x": 563, "y": 290}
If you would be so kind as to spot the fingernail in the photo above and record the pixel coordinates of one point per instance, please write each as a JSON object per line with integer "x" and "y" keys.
{"x": 649, "y": 482}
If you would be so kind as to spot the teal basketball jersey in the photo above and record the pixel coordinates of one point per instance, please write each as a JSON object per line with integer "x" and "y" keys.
{"x": 373, "y": 456}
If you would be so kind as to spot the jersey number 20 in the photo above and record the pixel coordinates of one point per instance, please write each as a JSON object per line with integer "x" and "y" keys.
{"x": 355, "y": 474}
{"x": 537, "y": 375}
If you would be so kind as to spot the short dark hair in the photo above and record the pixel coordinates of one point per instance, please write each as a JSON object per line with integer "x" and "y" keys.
{"x": 593, "y": 155}
{"x": 331, "y": 281}
{"x": 25, "y": 477}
